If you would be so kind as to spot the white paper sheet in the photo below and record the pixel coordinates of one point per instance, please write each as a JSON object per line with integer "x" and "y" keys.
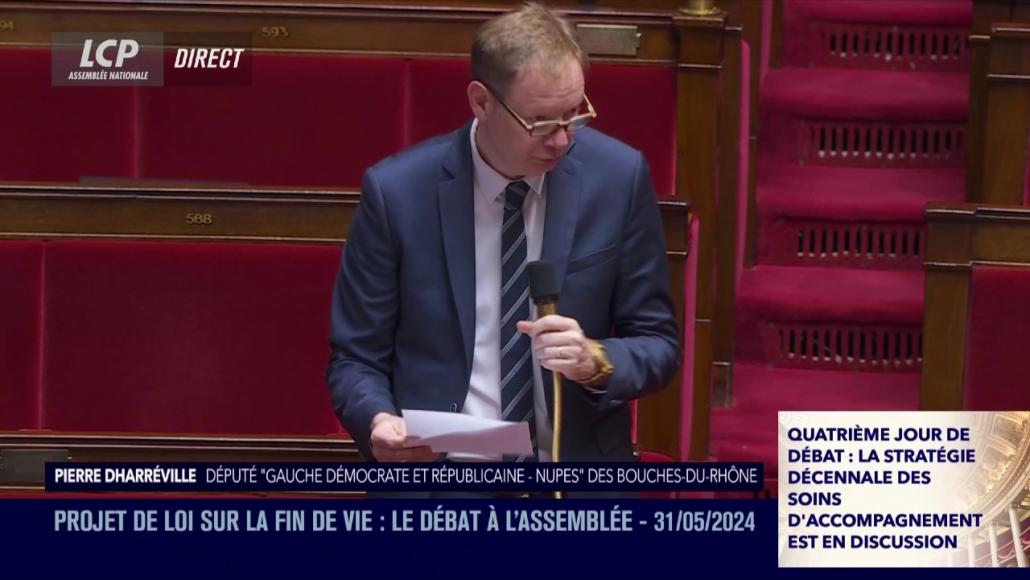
{"x": 454, "y": 432}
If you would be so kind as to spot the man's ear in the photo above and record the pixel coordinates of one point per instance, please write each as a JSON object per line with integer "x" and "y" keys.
{"x": 478, "y": 96}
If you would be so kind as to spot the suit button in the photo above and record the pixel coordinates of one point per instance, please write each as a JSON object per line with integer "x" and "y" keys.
{"x": 614, "y": 403}
{"x": 454, "y": 407}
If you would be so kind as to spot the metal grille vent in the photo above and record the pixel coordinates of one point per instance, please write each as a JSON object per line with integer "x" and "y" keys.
{"x": 849, "y": 45}
{"x": 882, "y": 145}
{"x": 896, "y": 349}
{"x": 892, "y": 246}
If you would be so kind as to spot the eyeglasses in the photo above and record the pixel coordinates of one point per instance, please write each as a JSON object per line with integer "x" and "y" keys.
{"x": 548, "y": 128}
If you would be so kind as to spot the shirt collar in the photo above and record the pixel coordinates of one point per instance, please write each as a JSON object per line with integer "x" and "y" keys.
{"x": 489, "y": 182}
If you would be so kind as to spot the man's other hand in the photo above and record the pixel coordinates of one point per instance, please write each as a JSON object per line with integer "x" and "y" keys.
{"x": 388, "y": 435}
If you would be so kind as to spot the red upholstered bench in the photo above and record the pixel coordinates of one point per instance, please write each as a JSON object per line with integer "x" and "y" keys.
{"x": 21, "y": 316}
{"x": 61, "y": 133}
{"x": 307, "y": 120}
{"x": 322, "y": 119}
{"x": 997, "y": 365}
{"x": 166, "y": 337}
{"x": 304, "y": 120}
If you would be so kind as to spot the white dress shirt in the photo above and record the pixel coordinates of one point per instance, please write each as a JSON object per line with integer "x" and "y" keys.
{"x": 484, "y": 394}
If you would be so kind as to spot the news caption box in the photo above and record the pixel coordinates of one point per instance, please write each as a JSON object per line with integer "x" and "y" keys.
{"x": 630, "y": 517}
{"x": 899, "y": 489}
{"x": 403, "y": 477}
{"x": 288, "y": 538}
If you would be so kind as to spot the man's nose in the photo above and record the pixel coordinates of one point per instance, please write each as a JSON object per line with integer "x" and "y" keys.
{"x": 560, "y": 138}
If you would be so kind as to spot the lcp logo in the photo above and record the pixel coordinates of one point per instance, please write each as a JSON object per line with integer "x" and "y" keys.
{"x": 111, "y": 58}
{"x": 126, "y": 49}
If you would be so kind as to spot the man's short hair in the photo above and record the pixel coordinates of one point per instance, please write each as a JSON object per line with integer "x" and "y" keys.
{"x": 531, "y": 36}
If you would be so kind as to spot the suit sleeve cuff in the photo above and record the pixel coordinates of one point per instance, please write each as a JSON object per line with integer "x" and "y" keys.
{"x": 619, "y": 387}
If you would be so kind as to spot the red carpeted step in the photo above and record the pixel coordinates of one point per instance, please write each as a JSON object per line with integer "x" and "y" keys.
{"x": 920, "y": 12}
{"x": 830, "y": 318}
{"x": 854, "y": 193}
{"x": 790, "y": 294}
{"x": 872, "y": 96}
{"x": 907, "y": 35}
{"x": 848, "y": 216}
{"x": 866, "y": 95}
{"x": 748, "y": 430}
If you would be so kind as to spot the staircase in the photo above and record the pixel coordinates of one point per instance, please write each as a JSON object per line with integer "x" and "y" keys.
{"x": 860, "y": 128}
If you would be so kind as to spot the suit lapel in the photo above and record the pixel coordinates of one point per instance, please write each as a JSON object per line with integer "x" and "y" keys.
{"x": 564, "y": 188}
{"x": 458, "y": 227}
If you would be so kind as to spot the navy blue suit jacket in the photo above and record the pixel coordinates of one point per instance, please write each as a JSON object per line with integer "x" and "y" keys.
{"x": 403, "y": 314}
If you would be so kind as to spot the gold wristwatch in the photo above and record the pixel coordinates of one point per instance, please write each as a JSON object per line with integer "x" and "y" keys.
{"x": 604, "y": 366}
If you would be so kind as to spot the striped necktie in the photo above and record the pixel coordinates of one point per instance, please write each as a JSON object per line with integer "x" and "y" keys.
{"x": 516, "y": 360}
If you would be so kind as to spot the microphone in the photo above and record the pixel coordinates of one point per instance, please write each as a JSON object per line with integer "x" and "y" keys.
{"x": 543, "y": 286}
{"x": 543, "y": 289}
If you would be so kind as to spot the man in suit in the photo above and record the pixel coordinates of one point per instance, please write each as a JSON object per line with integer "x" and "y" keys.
{"x": 431, "y": 309}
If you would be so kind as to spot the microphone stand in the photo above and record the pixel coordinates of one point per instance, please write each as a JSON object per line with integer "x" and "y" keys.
{"x": 544, "y": 290}
{"x": 544, "y": 309}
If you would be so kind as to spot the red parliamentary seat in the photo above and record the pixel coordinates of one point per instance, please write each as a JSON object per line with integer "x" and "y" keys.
{"x": 304, "y": 120}
{"x": 21, "y": 315}
{"x": 187, "y": 337}
{"x": 439, "y": 102}
{"x": 638, "y": 106}
{"x": 61, "y": 133}
{"x": 997, "y": 365}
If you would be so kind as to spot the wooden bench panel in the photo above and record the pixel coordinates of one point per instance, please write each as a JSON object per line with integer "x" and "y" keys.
{"x": 1006, "y": 117}
{"x": 977, "y": 317}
